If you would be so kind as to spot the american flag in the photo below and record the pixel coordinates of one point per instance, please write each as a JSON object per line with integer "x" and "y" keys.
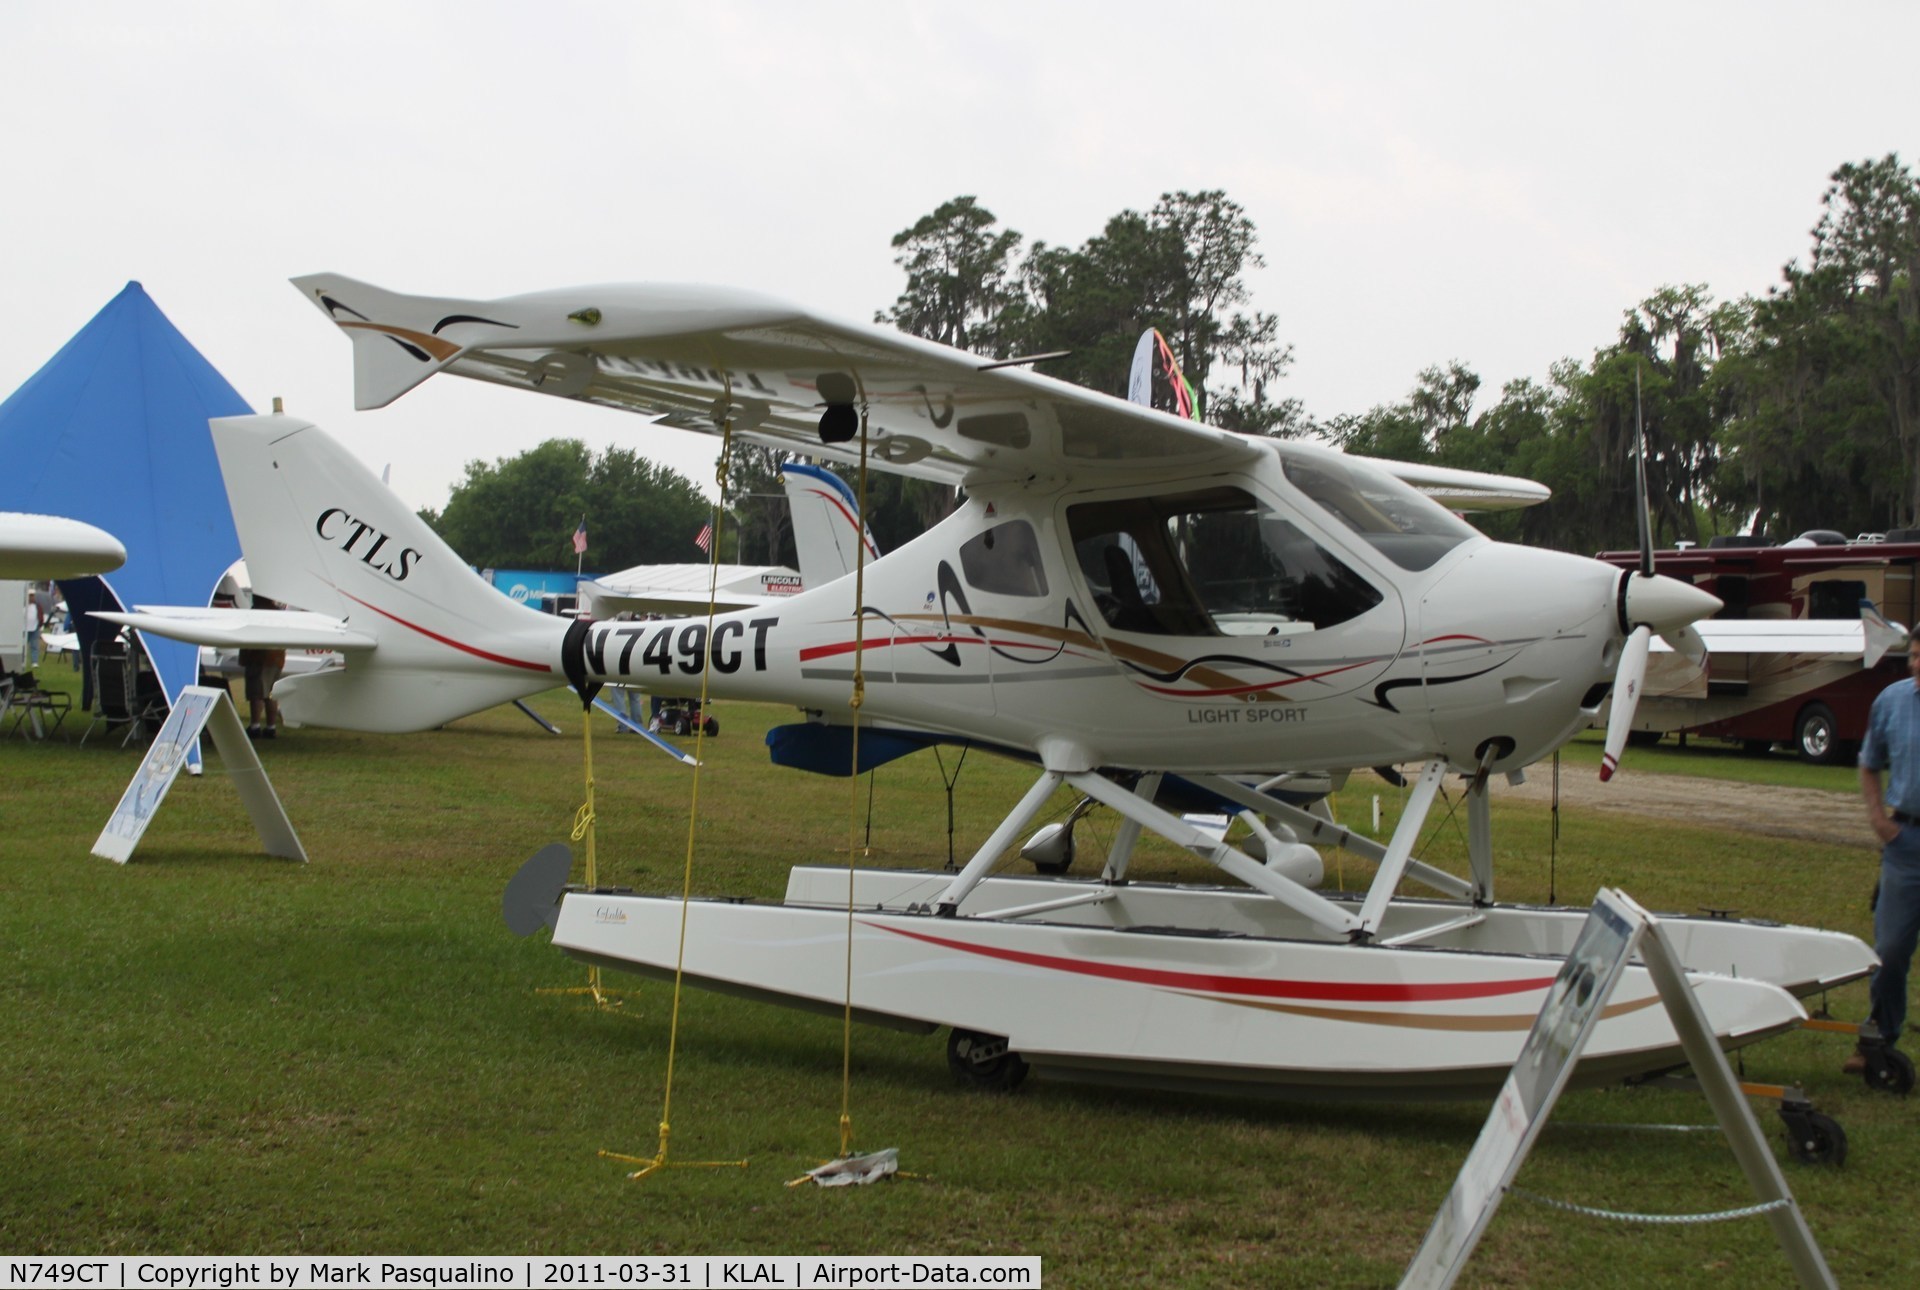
{"x": 580, "y": 538}
{"x": 704, "y": 539}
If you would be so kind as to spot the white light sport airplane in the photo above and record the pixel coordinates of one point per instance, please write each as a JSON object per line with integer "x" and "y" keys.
{"x": 1298, "y": 610}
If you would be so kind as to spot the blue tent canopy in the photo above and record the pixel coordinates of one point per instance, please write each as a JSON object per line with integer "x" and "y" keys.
{"x": 113, "y": 431}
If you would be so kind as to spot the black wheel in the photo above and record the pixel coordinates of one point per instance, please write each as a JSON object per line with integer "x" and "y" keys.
{"x": 984, "y": 1061}
{"x": 711, "y": 727}
{"x": 1815, "y": 735}
{"x": 1888, "y": 1071}
{"x": 1816, "y": 1139}
{"x": 681, "y": 727}
{"x": 1643, "y": 738}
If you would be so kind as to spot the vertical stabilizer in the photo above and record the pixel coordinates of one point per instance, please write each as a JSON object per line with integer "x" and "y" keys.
{"x": 320, "y": 532}
{"x": 826, "y": 523}
{"x": 1878, "y": 636}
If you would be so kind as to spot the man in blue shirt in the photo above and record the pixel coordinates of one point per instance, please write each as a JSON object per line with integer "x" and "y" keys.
{"x": 1892, "y": 746}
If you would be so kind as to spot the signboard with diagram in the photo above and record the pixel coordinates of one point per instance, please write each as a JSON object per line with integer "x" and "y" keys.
{"x": 1615, "y": 929}
{"x": 198, "y": 708}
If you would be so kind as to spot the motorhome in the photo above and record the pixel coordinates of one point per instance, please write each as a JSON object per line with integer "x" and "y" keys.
{"x": 1794, "y": 658}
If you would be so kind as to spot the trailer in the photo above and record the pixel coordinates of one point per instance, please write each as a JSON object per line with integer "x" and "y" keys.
{"x": 1810, "y": 633}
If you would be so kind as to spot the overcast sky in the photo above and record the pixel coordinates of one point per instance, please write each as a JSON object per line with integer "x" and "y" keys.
{"x": 1494, "y": 183}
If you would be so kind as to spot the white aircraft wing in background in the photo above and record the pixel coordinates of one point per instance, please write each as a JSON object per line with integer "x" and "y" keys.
{"x": 38, "y": 547}
{"x": 1466, "y": 490}
{"x": 679, "y": 590}
{"x": 1859, "y": 638}
{"x": 826, "y": 533}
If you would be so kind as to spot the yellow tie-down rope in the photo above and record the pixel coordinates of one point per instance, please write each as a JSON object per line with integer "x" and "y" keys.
{"x": 854, "y": 702}
{"x": 583, "y": 820}
{"x": 658, "y": 1160}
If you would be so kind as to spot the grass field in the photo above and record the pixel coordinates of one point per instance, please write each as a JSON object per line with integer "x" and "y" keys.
{"x": 210, "y": 1051}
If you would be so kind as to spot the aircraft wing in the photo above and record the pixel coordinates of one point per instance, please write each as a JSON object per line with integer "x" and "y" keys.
{"x": 1858, "y": 638}
{"x": 695, "y": 357}
{"x": 38, "y": 547}
{"x": 243, "y": 628}
{"x": 1466, "y": 490}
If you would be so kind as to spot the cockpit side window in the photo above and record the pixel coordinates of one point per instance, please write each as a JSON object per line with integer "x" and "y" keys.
{"x": 1395, "y": 518}
{"x": 1210, "y": 563}
{"x": 1004, "y": 560}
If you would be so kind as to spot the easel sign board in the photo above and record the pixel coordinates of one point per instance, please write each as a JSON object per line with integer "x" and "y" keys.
{"x": 1615, "y": 929}
{"x": 198, "y": 708}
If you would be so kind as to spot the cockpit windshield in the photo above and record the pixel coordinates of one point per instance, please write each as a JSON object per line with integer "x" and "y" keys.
{"x": 1210, "y": 563}
{"x": 1396, "y": 519}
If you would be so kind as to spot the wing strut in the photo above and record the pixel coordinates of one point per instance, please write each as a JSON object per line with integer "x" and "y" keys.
{"x": 1399, "y": 850}
{"x": 1136, "y": 808}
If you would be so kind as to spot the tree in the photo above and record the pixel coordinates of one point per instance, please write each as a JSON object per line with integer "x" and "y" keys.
{"x": 1866, "y": 259}
{"x": 958, "y": 266}
{"x": 1826, "y": 393}
{"x": 1419, "y": 429}
{"x": 521, "y": 512}
{"x": 1660, "y": 375}
{"x": 758, "y": 504}
{"x": 1181, "y": 268}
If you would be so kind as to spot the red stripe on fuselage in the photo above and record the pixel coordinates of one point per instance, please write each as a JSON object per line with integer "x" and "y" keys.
{"x": 1260, "y": 987}
{"x": 448, "y": 641}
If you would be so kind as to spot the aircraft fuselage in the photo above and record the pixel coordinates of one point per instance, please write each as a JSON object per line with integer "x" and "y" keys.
{"x": 1241, "y": 624}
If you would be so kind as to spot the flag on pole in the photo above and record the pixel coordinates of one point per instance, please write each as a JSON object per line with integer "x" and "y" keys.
{"x": 704, "y": 539}
{"x": 580, "y": 537}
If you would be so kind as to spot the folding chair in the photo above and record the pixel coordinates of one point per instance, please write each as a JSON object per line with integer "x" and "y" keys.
{"x": 118, "y": 696}
{"x": 34, "y": 710}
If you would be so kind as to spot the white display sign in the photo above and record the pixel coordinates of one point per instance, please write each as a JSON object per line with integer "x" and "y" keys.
{"x": 198, "y": 707}
{"x": 1614, "y": 929}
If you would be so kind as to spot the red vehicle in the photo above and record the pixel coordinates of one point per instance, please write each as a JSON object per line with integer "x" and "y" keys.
{"x": 1792, "y": 660}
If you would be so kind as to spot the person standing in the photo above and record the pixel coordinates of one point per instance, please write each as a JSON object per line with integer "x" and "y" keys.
{"x": 1892, "y": 749}
{"x": 262, "y": 668}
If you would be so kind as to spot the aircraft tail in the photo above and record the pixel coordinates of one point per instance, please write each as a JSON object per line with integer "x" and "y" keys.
{"x": 827, "y": 527}
{"x": 1879, "y": 636}
{"x": 321, "y": 533}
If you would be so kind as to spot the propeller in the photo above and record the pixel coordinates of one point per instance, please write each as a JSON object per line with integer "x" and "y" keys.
{"x": 1648, "y": 603}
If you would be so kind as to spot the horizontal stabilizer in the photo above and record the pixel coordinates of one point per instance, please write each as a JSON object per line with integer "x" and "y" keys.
{"x": 244, "y": 628}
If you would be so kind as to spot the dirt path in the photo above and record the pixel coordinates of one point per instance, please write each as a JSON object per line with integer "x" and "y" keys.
{"x": 1809, "y": 814}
